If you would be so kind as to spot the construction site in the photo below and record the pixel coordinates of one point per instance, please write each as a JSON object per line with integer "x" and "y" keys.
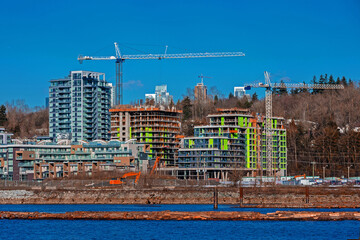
{"x": 159, "y": 128}
{"x": 232, "y": 144}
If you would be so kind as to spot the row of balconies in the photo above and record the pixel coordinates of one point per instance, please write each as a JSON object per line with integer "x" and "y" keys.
{"x": 155, "y": 126}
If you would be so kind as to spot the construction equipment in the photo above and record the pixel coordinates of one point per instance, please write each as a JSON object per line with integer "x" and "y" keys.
{"x": 202, "y": 78}
{"x": 155, "y": 165}
{"x": 299, "y": 176}
{"x": 129, "y": 174}
{"x": 268, "y": 109}
{"x": 119, "y": 59}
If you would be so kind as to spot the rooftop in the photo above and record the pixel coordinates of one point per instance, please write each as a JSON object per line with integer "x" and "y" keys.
{"x": 127, "y": 108}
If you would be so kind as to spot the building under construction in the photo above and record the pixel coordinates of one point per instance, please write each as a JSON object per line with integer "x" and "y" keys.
{"x": 157, "y": 127}
{"x": 233, "y": 141}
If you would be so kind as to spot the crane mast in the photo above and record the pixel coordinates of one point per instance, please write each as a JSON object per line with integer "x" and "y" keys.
{"x": 268, "y": 131}
{"x": 270, "y": 168}
{"x": 119, "y": 60}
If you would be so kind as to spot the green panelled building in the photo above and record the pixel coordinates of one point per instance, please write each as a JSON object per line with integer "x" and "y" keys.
{"x": 234, "y": 140}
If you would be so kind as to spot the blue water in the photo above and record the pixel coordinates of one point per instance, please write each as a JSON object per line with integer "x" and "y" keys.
{"x": 93, "y": 229}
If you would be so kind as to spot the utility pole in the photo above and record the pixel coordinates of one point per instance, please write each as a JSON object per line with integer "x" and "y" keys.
{"x": 324, "y": 172}
{"x": 313, "y": 169}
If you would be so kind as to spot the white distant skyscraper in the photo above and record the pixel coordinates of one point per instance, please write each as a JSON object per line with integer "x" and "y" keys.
{"x": 240, "y": 92}
{"x": 112, "y": 92}
{"x": 161, "y": 96}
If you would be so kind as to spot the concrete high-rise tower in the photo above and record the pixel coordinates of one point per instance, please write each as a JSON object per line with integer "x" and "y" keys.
{"x": 200, "y": 92}
{"x": 79, "y": 107}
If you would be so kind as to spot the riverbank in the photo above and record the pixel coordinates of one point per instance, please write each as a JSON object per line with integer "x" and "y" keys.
{"x": 263, "y": 197}
{"x": 169, "y": 215}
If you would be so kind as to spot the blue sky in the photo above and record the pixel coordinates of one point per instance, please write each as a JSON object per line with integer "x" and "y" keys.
{"x": 40, "y": 40}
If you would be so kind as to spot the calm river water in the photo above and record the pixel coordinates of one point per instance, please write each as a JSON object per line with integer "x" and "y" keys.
{"x": 91, "y": 229}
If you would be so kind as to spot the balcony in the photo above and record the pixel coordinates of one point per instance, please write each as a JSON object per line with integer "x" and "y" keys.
{"x": 26, "y": 164}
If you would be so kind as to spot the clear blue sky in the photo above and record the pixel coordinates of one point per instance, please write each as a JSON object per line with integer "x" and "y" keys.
{"x": 40, "y": 40}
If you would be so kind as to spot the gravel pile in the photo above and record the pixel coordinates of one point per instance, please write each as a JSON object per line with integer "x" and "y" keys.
{"x": 15, "y": 194}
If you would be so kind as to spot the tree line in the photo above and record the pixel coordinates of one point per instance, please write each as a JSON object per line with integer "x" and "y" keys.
{"x": 24, "y": 122}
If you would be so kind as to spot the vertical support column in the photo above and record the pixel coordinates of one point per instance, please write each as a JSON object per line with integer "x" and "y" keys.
{"x": 307, "y": 198}
{"x": 216, "y": 198}
{"x": 268, "y": 126}
{"x": 119, "y": 82}
{"x": 241, "y": 196}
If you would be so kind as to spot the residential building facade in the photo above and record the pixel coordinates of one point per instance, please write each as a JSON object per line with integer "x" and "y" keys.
{"x": 44, "y": 160}
{"x": 79, "y": 107}
{"x": 5, "y": 137}
{"x": 154, "y": 126}
{"x": 234, "y": 140}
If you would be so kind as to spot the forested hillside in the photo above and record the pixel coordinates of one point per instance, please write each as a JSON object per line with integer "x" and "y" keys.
{"x": 322, "y": 125}
{"x": 23, "y": 121}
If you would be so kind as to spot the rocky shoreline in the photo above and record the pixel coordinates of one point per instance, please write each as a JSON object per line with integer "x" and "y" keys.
{"x": 254, "y": 198}
{"x": 169, "y": 215}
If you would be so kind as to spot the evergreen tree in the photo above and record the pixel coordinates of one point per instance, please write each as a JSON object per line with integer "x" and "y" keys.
{"x": 254, "y": 97}
{"x": 186, "y": 108}
{"x": 338, "y": 81}
{"x": 314, "y": 81}
{"x": 303, "y": 90}
{"x": 3, "y": 118}
{"x": 331, "y": 80}
{"x": 322, "y": 80}
{"x": 343, "y": 81}
{"x": 216, "y": 99}
{"x": 231, "y": 95}
{"x": 351, "y": 83}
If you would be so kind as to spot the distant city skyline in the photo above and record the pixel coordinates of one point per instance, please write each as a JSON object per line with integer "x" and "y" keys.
{"x": 293, "y": 40}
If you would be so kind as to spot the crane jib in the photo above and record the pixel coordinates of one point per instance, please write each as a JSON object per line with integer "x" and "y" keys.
{"x": 119, "y": 58}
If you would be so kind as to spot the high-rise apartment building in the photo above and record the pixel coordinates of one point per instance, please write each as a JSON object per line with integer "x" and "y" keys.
{"x": 79, "y": 107}
{"x": 154, "y": 126}
{"x": 200, "y": 92}
{"x": 233, "y": 141}
{"x": 161, "y": 96}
